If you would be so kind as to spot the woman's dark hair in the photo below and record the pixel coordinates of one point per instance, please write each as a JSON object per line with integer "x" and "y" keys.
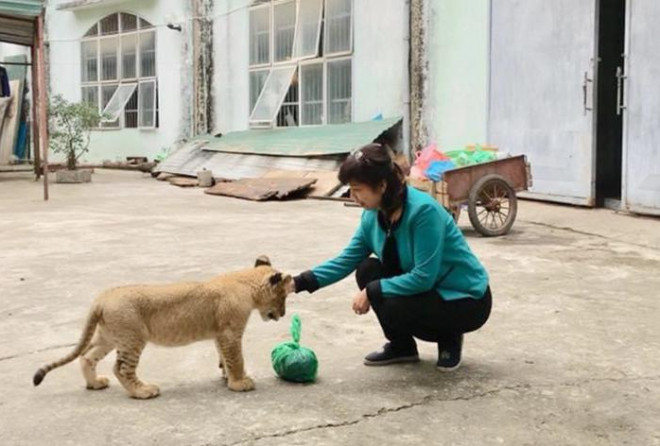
{"x": 371, "y": 165}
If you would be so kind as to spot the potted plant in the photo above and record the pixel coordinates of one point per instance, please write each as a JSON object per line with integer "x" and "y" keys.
{"x": 70, "y": 130}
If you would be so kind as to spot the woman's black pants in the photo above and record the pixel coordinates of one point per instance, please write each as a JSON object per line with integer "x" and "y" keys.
{"x": 426, "y": 316}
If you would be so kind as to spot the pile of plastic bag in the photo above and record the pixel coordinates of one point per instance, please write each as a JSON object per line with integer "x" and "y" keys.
{"x": 431, "y": 163}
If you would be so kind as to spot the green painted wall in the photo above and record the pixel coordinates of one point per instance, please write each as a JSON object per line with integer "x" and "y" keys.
{"x": 456, "y": 104}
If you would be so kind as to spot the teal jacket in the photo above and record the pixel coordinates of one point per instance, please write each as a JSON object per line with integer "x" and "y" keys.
{"x": 433, "y": 255}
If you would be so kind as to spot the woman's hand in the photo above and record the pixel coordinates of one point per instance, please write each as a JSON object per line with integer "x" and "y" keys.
{"x": 361, "y": 303}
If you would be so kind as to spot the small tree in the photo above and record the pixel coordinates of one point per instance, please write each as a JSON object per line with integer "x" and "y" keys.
{"x": 70, "y": 128}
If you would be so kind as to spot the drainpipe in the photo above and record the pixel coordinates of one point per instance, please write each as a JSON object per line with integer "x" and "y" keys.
{"x": 417, "y": 74}
{"x": 407, "y": 146}
{"x": 202, "y": 31}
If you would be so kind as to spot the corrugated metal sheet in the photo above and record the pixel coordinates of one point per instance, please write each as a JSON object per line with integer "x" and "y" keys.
{"x": 187, "y": 160}
{"x": 233, "y": 166}
{"x": 193, "y": 157}
{"x": 301, "y": 141}
{"x": 17, "y": 24}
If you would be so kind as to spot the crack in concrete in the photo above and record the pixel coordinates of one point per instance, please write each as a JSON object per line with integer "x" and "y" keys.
{"x": 20, "y": 355}
{"x": 432, "y": 399}
{"x": 382, "y": 411}
{"x": 591, "y": 234}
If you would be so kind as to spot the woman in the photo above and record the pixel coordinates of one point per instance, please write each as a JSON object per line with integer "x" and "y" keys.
{"x": 425, "y": 282}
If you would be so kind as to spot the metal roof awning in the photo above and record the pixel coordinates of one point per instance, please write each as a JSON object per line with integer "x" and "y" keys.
{"x": 255, "y": 153}
{"x": 18, "y": 20}
{"x": 25, "y": 8}
{"x": 315, "y": 141}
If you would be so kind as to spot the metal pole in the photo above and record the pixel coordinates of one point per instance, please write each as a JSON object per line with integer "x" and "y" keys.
{"x": 35, "y": 111}
{"x": 43, "y": 115}
{"x": 418, "y": 136}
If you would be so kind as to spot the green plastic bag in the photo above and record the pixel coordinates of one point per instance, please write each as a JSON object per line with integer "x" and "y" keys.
{"x": 470, "y": 157}
{"x": 293, "y": 362}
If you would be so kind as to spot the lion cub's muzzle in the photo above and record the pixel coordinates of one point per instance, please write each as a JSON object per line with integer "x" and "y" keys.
{"x": 275, "y": 315}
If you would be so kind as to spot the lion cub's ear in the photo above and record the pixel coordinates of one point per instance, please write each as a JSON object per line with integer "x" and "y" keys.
{"x": 275, "y": 278}
{"x": 289, "y": 284}
{"x": 262, "y": 260}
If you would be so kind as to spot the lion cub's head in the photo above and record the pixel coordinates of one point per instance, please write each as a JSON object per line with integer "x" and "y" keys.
{"x": 276, "y": 287}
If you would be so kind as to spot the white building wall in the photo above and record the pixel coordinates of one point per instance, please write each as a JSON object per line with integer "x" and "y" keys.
{"x": 457, "y": 43}
{"x": 64, "y": 31}
{"x": 380, "y": 60}
{"x": 231, "y": 84}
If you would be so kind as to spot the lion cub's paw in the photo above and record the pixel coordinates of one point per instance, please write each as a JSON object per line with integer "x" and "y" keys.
{"x": 242, "y": 385}
{"x": 101, "y": 383}
{"x": 145, "y": 392}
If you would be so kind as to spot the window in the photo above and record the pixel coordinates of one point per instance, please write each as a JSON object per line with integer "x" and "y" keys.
{"x": 312, "y": 94}
{"x": 120, "y": 96}
{"x": 260, "y": 36}
{"x": 338, "y": 29}
{"x": 309, "y": 28}
{"x": 257, "y": 81}
{"x": 300, "y": 62}
{"x": 147, "y": 104}
{"x": 129, "y": 56}
{"x": 284, "y": 25}
{"x": 90, "y": 62}
{"x": 271, "y": 97}
{"x": 288, "y": 114}
{"x": 339, "y": 91}
{"x": 107, "y": 92}
{"x": 118, "y": 62}
{"x": 108, "y": 48}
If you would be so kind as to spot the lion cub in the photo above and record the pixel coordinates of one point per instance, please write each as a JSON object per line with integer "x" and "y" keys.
{"x": 129, "y": 317}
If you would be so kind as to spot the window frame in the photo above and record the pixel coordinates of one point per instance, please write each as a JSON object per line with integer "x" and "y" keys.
{"x": 250, "y": 72}
{"x": 137, "y": 56}
{"x": 99, "y": 83}
{"x": 269, "y": 123}
{"x": 133, "y": 86}
{"x": 270, "y": 36}
{"x": 317, "y": 61}
{"x": 300, "y": 61}
{"x": 272, "y": 6}
{"x": 154, "y": 110}
{"x": 325, "y": 32}
{"x": 299, "y": 28}
{"x": 325, "y": 78}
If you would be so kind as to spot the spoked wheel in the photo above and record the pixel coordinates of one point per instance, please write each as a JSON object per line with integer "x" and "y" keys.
{"x": 492, "y": 206}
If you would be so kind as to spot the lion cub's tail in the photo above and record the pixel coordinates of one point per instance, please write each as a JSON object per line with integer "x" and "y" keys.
{"x": 88, "y": 332}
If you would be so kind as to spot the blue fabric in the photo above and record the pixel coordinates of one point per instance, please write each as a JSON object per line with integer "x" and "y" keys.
{"x": 21, "y": 141}
{"x": 432, "y": 250}
{"x": 436, "y": 169}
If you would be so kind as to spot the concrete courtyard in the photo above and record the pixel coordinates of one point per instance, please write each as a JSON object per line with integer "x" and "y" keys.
{"x": 570, "y": 356}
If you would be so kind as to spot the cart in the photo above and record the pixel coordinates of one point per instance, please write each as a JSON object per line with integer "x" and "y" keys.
{"x": 488, "y": 189}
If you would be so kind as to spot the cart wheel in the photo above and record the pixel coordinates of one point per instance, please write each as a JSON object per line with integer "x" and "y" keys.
{"x": 492, "y": 206}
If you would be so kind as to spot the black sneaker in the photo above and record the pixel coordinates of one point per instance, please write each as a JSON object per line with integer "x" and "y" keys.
{"x": 389, "y": 355}
{"x": 449, "y": 353}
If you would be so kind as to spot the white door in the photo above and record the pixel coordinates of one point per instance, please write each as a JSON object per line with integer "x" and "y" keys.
{"x": 641, "y": 150}
{"x": 541, "y": 93}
